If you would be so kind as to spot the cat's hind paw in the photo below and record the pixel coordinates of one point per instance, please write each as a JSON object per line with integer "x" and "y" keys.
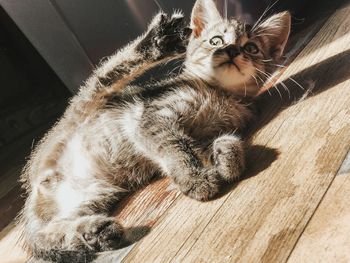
{"x": 102, "y": 234}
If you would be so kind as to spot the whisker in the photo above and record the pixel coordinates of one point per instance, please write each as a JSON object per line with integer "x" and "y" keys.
{"x": 262, "y": 34}
{"x": 257, "y": 84}
{"x": 225, "y": 9}
{"x": 285, "y": 88}
{"x": 282, "y": 66}
{"x": 281, "y": 82}
{"x": 158, "y": 4}
{"x": 272, "y": 64}
{"x": 274, "y": 87}
{"x": 267, "y": 60}
{"x": 278, "y": 91}
{"x": 297, "y": 83}
{"x": 263, "y": 14}
{"x": 277, "y": 26}
{"x": 263, "y": 82}
{"x": 263, "y": 72}
{"x": 256, "y": 81}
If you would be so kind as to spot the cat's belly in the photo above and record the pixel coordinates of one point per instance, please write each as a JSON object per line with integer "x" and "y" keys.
{"x": 119, "y": 160}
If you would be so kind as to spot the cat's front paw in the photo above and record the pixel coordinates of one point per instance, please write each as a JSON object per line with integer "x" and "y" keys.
{"x": 169, "y": 34}
{"x": 228, "y": 156}
{"x": 202, "y": 187}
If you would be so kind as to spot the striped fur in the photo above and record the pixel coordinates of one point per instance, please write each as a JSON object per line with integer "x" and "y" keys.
{"x": 115, "y": 137}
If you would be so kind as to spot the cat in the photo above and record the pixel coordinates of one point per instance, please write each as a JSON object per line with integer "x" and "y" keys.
{"x": 115, "y": 136}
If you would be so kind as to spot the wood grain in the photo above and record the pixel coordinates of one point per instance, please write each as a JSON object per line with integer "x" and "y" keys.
{"x": 326, "y": 238}
{"x": 146, "y": 205}
{"x": 10, "y": 248}
{"x": 139, "y": 212}
{"x": 261, "y": 219}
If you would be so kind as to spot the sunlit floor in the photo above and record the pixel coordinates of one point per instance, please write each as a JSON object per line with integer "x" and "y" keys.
{"x": 293, "y": 202}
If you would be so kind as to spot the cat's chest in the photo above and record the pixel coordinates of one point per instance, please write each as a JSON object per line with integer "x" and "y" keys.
{"x": 214, "y": 114}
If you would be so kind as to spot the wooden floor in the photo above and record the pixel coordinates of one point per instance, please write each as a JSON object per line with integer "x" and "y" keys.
{"x": 293, "y": 204}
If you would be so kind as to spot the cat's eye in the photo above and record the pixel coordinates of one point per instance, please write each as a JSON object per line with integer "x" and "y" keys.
{"x": 251, "y": 48}
{"x": 216, "y": 41}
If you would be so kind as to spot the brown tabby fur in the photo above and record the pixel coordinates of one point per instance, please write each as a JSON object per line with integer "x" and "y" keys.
{"x": 115, "y": 136}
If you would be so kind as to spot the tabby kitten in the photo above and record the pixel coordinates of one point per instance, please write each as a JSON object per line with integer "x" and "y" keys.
{"x": 115, "y": 136}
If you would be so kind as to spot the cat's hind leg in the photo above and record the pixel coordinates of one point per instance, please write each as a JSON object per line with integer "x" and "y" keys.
{"x": 77, "y": 239}
{"x": 71, "y": 221}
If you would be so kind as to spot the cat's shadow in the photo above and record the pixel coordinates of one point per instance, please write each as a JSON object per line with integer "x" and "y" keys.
{"x": 314, "y": 80}
{"x": 258, "y": 158}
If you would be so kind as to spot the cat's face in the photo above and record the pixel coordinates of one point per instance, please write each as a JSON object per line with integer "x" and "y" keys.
{"x": 230, "y": 54}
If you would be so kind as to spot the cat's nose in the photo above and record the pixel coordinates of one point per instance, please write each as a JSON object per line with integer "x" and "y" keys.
{"x": 232, "y": 51}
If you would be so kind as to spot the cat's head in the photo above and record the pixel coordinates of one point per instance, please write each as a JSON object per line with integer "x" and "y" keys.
{"x": 231, "y": 54}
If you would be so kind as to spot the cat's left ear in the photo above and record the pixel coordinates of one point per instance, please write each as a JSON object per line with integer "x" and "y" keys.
{"x": 204, "y": 13}
{"x": 276, "y": 30}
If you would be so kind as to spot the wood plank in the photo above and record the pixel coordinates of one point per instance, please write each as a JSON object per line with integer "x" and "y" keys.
{"x": 146, "y": 205}
{"x": 263, "y": 216}
{"x": 10, "y": 248}
{"x": 326, "y": 238}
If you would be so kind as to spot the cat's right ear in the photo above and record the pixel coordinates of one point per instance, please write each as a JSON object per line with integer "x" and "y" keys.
{"x": 276, "y": 29}
{"x": 204, "y": 12}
